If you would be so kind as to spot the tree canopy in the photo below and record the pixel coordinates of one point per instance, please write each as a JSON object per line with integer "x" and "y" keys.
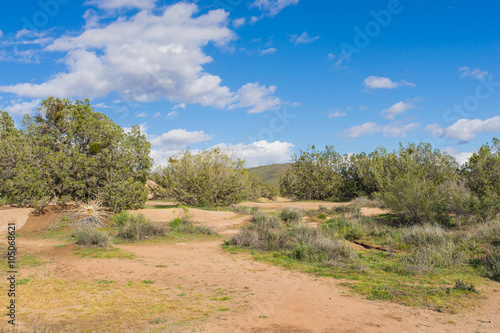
{"x": 68, "y": 151}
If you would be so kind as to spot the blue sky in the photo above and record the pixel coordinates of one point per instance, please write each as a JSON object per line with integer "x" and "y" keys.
{"x": 265, "y": 78}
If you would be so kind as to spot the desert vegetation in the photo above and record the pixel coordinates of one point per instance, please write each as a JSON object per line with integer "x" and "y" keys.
{"x": 70, "y": 152}
{"x": 418, "y": 183}
{"x": 213, "y": 177}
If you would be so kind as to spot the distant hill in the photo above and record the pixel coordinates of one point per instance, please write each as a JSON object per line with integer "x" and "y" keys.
{"x": 271, "y": 173}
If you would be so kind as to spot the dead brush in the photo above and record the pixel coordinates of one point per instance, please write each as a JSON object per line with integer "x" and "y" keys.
{"x": 89, "y": 214}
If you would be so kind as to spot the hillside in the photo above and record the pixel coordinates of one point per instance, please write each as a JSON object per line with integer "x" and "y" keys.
{"x": 270, "y": 173}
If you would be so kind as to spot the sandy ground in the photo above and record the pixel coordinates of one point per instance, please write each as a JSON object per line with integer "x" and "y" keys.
{"x": 267, "y": 298}
{"x": 17, "y": 216}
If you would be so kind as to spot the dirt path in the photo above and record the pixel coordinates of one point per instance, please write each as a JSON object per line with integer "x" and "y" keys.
{"x": 258, "y": 297}
{"x": 15, "y": 215}
{"x": 287, "y": 301}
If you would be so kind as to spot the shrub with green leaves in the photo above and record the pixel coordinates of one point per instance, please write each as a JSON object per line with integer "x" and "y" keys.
{"x": 313, "y": 175}
{"x": 184, "y": 225}
{"x": 92, "y": 237}
{"x": 139, "y": 227}
{"x": 213, "y": 177}
{"x": 291, "y": 215}
{"x": 491, "y": 262}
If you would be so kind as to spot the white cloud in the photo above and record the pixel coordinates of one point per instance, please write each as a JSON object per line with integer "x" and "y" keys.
{"x": 1, "y": 34}
{"x": 141, "y": 115}
{"x": 377, "y": 82}
{"x": 398, "y": 108}
{"x": 118, "y": 4}
{"x": 102, "y": 106}
{"x": 179, "y": 106}
{"x": 466, "y": 129}
{"x": 395, "y": 129}
{"x": 336, "y": 114}
{"x": 268, "y": 51}
{"x": 145, "y": 57}
{"x": 20, "y": 109}
{"x": 434, "y": 129}
{"x": 262, "y": 152}
{"x": 273, "y": 7}
{"x": 461, "y": 157}
{"x": 239, "y": 22}
{"x": 172, "y": 114}
{"x": 257, "y": 97}
{"x": 156, "y": 115}
{"x": 178, "y": 139}
{"x": 476, "y": 73}
{"x": 302, "y": 39}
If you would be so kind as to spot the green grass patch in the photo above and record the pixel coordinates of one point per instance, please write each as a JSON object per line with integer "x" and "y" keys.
{"x": 103, "y": 253}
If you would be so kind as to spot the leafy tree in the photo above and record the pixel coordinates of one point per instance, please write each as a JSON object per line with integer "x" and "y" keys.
{"x": 313, "y": 175}
{"x": 482, "y": 176}
{"x": 70, "y": 152}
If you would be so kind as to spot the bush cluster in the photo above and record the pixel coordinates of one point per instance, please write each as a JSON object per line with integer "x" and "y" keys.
{"x": 298, "y": 241}
{"x": 418, "y": 183}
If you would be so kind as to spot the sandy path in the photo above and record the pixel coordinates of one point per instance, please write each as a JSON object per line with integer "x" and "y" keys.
{"x": 17, "y": 216}
{"x": 287, "y": 301}
{"x": 225, "y": 223}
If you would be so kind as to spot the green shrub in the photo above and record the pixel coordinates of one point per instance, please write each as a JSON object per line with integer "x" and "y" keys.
{"x": 184, "y": 225}
{"x": 461, "y": 284}
{"x": 491, "y": 262}
{"x": 121, "y": 218}
{"x": 348, "y": 228}
{"x": 291, "y": 215}
{"x": 212, "y": 177}
{"x": 89, "y": 236}
{"x": 313, "y": 175}
{"x": 138, "y": 227}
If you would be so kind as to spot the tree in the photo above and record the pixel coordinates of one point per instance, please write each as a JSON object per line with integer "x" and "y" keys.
{"x": 70, "y": 152}
{"x": 313, "y": 175}
{"x": 482, "y": 176}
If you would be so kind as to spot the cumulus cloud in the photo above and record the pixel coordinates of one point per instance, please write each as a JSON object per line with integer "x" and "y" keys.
{"x": 119, "y": 4}
{"x": 304, "y": 38}
{"x": 178, "y": 139}
{"x": 395, "y": 129}
{"x": 22, "y": 108}
{"x": 476, "y": 73}
{"x": 396, "y": 109}
{"x": 378, "y": 82}
{"x": 144, "y": 57}
{"x": 273, "y": 7}
{"x": 257, "y": 97}
{"x": 466, "y": 129}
